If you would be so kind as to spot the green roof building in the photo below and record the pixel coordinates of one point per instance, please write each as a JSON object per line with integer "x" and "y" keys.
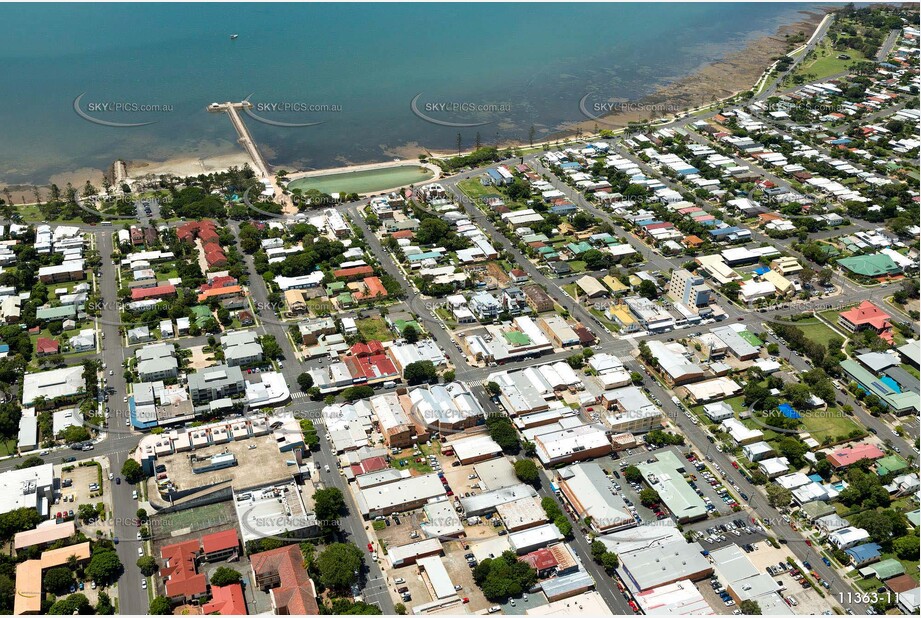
{"x": 201, "y": 314}
{"x": 335, "y": 288}
{"x": 578, "y": 248}
{"x": 884, "y": 569}
{"x": 872, "y": 266}
{"x": 899, "y": 403}
{"x": 890, "y": 463}
{"x": 56, "y": 313}
{"x": 751, "y": 338}
{"x": 345, "y": 300}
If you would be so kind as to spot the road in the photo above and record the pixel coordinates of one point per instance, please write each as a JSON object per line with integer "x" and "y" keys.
{"x": 352, "y": 526}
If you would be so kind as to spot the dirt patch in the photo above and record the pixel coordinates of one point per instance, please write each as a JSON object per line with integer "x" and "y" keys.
{"x": 498, "y": 273}
{"x": 200, "y": 359}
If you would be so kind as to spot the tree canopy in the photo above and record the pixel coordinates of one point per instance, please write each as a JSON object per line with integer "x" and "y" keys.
{"x": 339, "y": 565}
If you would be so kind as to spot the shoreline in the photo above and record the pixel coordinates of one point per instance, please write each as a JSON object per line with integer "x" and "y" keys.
{"x": 713, "y": 82}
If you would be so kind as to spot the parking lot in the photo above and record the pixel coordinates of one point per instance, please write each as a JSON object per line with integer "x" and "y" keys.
{"x": 732, "y": 529}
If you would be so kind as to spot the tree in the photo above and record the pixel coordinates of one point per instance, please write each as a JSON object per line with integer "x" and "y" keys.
{"x": 73, "y": 604}
{"x": 160, "y": 606}
{"x": 339, "y": 565}
{"x": 224, "y": 576}
{"x": 906, "y": 548}
{"x": 305, "y": 381}
{"x": 18, "y": 520}
{"x": 132, "y": 471}
{"x": 649, "y": 497}
{"x": 778, "y": 496}
{"x": 329, "y": 505}
{"x": 420, "y": 372}
{"x": 148, "y": 566}
{"x": 527, "y": 472}
{"x": 104, "y": 605}
{"x": 750, "y": 608}
{"x": 142, "y": 515}
{"x": 410, "y": 334}
{"x": 636, "y": 378}
{"x": 57, "y": 580}
{"x": 793, "y": 449}
{"x": 104, "y": 567}
{"x": 504, "y": 577}
{"x": 399, "y": 609}
{"x": 503, "y": 432}
{"x": 647, "y": 289}
{"x": 493, "y": 388}
{"x": 633, "y": 474}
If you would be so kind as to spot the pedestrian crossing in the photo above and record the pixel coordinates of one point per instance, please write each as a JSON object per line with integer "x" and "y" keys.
{"x": 480, "y": 382}
{"x": 298, "y": 395}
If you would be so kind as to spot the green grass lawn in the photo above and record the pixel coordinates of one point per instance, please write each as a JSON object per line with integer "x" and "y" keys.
{"x": 195, "y": 518}
{"x": 474, "y": 189}
{"x": 608, "y": 323}
{"x": 8, "y": 447}
{"x": 825, "y": 61}
{"x": 572, "y": 289}
{"x": 577, "y": 266}
{"x": 374, "y": 329}
{"x": 816, "y": 331}
{"x": 832, "y": 424}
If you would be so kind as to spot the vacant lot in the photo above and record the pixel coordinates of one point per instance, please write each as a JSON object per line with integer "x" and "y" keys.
{"x": 817, "y": 331}
{"x": 374, "y": 329}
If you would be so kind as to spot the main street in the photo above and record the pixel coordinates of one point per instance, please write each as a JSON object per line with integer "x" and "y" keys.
{"x": 352, "y": 526}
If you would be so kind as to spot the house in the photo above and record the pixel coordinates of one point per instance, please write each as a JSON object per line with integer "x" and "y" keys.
{"x": 281, "y": 572}
{"x": 867, "y": 316}
{"x": 139, "y": 334}
{"x": 45, "y": 346}
{"x": 591, "y": 287}
{"x": 852, "y": 453}
{"x": 182, "y": 581}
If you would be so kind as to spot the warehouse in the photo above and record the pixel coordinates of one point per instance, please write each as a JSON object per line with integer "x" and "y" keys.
{"x": 659, "y": 566}
{"x": 404, "y": 495}
{"x": 475, "y": 449}
{"x": 585, "y": 486}
{"x": 665, "y": 476}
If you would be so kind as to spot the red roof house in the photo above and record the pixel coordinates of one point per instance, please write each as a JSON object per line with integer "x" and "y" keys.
{"x": 374, "y": 289}
{"x": 159, "y": 291}
{"x": 356, "y": 272}
{"x": 226, "y": 600}
{"x": 44, "y": 346}
{"x": 851, "y": 454}
{"x": 865, "y": 316}
{"x": 224, "y": 542}
{"x": 282, "y": 572}
{"x": 367, "y": 349}
{"x": 182, "y": 580}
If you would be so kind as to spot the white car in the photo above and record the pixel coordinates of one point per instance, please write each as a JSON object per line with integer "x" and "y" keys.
{"x": 134, "y": 495}
{"x": 139, "y": 536}
{"x": 127, "y": 422}
{"x": 111, "y": 476}
{"x": 144, "y": 584}
{"x": 140, "y": 551}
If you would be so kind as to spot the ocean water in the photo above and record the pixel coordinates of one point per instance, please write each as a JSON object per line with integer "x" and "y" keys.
{"x": 354, "y": 68}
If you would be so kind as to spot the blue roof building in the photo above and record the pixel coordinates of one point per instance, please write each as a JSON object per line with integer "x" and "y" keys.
{"x": 864, "y": 554}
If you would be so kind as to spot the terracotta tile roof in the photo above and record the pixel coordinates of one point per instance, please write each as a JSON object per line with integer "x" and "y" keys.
{"x": 226, "y": 600}
{"x": 219, "y": 541}
{"x": 295, "y": 594}
{"x": 178, "y": 569}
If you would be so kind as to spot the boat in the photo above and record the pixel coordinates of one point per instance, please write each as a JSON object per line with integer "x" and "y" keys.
{"x": 234, "y": 37}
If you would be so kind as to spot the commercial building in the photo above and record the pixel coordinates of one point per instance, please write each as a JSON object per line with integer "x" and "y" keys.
{"x": 675, "y": 368}
{"x": 736, "y": 343}
{"x": 28, "y": 595}
{"x": 404, "y": 495}
{"x": 657, "y": 566}
{"x": 665, "y": 475}
{"x": 572, "y": 444}
{"x": 677, "y": 599}
{"x": 585, "y": 486}
{"x": 896, "y": 400}
{"x": 445, "y": 408}
{"x": 156, "y": 362}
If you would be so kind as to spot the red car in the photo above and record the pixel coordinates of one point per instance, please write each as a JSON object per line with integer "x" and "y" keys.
{"x": 370, "y": 547}
{"x": 465, "y": 600}
{"x": 634, "y": 606}
{"x": 735, "y": 465}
